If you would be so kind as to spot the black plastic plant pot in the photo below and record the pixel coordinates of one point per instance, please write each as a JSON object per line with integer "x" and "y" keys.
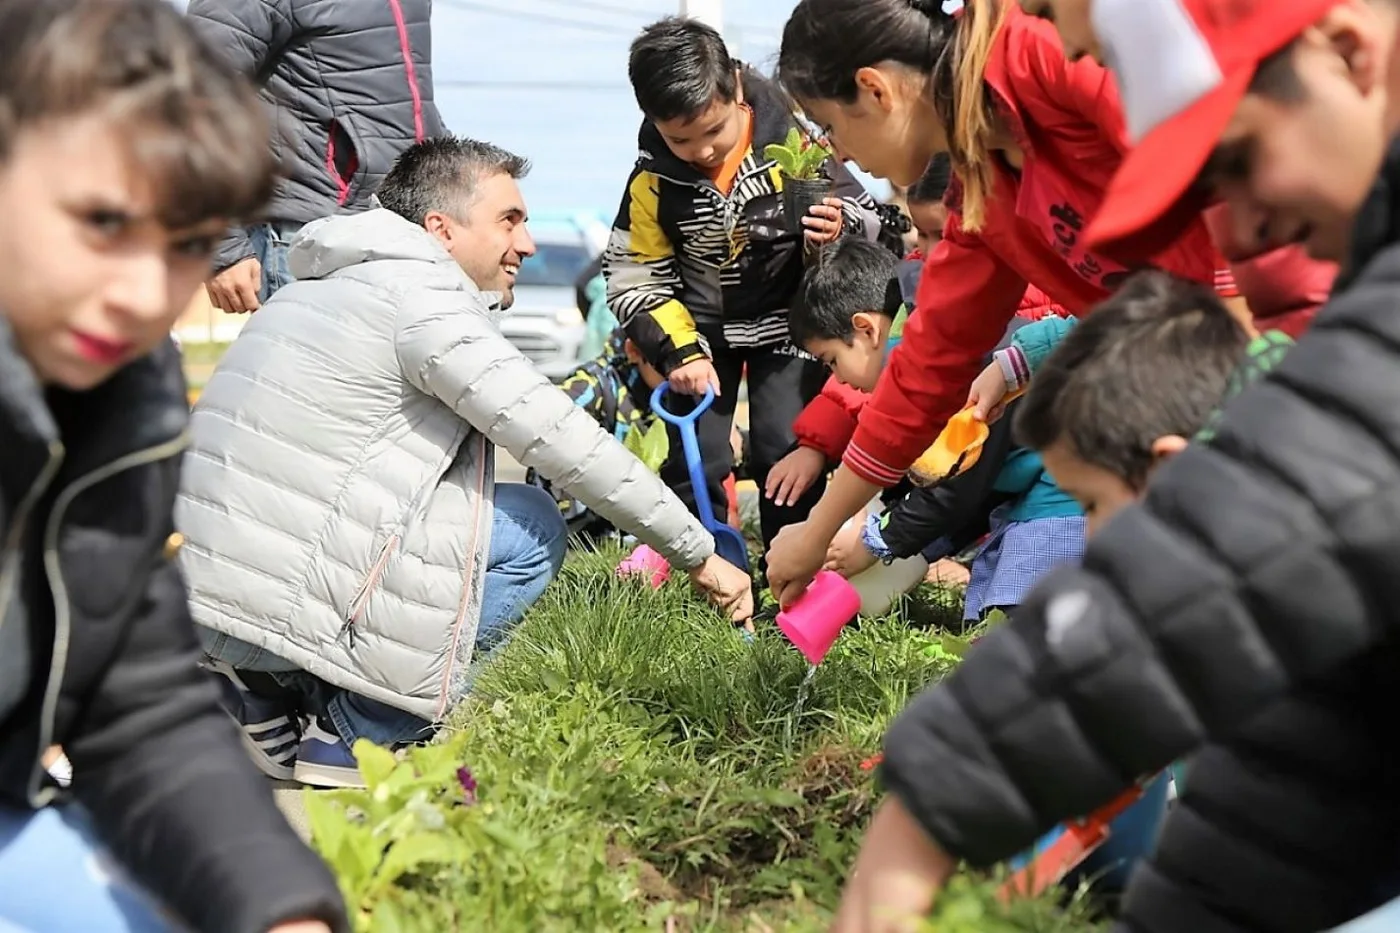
{"x": 800, "y": 195}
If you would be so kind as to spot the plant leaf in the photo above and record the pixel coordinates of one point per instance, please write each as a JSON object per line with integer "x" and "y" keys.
{"x": 786, "y": 158}
{"x": 414, "y": 851}
{"x": 656, "y": 447}
{"x": 376, "y": 764}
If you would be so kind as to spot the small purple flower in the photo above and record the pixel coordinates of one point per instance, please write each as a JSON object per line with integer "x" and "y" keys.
{"x": 464, "y": 778}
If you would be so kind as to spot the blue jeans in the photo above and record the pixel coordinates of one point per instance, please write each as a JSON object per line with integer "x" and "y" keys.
{"x": 528, "y": 537}
{"x": 55, "y": 875}
{"x": 270, "y": 242}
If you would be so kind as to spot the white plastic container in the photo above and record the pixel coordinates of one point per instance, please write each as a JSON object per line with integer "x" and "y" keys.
{"x": 882, "y": 584}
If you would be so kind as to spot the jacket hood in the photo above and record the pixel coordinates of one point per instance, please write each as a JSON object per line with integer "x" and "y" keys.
{"x": 325, "y": 247}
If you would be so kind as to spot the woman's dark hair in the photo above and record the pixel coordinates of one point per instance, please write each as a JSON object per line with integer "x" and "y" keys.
{"x": 678, "y": 67}
{"x": 192, "y": 126}
{"x": 1150, "y": 362}
{"x": 848, "y": 276}
{"x": 825, "y": 42}
{"x": 933, "y": 184}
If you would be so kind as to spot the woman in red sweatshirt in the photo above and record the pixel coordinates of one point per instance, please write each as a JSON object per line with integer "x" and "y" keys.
{"x": 1034, "y": 140}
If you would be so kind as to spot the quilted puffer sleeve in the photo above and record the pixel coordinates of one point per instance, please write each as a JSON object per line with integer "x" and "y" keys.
{"x": 1257, "y": 562}
{"x": 449, "y": 348}
{"x": 250, "y": 35}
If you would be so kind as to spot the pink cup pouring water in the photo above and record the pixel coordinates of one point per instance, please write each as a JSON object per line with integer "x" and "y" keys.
{"x": 813, "y": 623}
{"x": 648, "y": 563}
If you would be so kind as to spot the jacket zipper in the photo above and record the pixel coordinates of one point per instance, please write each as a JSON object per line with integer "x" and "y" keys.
{"x": 40, "y": 795}
{"x": 366, "y": 590}
{"x": 14, "y": 542}
{"x": 487, "y": 462}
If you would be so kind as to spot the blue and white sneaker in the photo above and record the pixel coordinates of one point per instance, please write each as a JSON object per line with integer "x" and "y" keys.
{"x": 324, "y": 760}
{"x": 269, "y": 734}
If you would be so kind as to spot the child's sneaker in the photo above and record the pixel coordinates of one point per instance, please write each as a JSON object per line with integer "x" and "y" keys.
{"x": 269, "y": 734}
{"x": 324, "y": 760}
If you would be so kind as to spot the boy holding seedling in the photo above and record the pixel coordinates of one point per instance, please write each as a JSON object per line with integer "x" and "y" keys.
{"x": 701, "y": 267}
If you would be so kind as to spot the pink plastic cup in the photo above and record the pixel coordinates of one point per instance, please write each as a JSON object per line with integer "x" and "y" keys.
{"x": 814, "y": 621}
{"x": 644, "y": 562}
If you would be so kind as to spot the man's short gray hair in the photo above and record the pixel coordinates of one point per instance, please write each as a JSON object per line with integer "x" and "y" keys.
{"x": 441, "y": 174}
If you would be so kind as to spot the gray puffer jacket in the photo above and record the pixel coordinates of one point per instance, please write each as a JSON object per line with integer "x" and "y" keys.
{"x": 350, "y": 83}
{"x": 336, "y": 498}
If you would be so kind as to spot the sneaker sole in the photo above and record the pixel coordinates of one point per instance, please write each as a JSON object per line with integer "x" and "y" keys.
{"x": 332, "y": 776}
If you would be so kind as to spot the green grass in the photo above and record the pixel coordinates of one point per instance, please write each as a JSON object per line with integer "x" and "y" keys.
{"x": 639, "y": 766}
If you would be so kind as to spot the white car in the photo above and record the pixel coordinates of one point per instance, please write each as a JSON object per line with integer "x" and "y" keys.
{"x": 545, "y": 322}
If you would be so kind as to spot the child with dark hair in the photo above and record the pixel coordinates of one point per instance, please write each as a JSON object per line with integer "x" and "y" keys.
{"x": 701, "y": 268}
{"x": 126, "y": 149}
{"x": 1290, "y": 825}
{"x": 849, "y": 314}
{"x": 1310, "y": 782}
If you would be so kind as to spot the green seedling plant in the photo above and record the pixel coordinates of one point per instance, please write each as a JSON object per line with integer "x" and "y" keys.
{"x": 798, "y": 156}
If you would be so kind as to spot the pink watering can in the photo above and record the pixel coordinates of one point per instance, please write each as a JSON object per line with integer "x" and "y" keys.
{"x": 647, "y": 563}
{"x": 813, "y": 623}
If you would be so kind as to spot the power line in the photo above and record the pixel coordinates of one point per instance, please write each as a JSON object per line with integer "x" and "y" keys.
{"x": 536, "y": 17}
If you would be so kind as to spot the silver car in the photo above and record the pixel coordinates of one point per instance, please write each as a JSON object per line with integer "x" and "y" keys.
{"x": 545, "y": 322}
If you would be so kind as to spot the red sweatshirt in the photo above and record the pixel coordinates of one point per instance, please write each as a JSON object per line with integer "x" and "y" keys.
{"x": 1285, "y": 287}
{"x": 829, "y": 420}
{"x": 1069, "y": 126}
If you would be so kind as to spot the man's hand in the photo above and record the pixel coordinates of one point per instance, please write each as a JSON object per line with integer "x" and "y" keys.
{"x": 847, "y": 553}
{"x": 728, "y": 587}
{"x": 301, "y": 926}
{"x": 236, "y": 289}
{"x": 897, "y": 875}
{"x": 692, "y": 378}
{"x": 793, "y": 475}
{"x": 823, "y": 222}
{"x": 793, "y": 560}
{"x": 987, "y": 394}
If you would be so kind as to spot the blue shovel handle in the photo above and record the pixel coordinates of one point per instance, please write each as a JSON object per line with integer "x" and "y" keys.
{"x": 690, "y": 443}
{"x": 729, "y": 544}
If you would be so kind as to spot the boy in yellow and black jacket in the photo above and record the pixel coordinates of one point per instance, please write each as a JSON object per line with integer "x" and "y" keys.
{"x": 701, "y": 266}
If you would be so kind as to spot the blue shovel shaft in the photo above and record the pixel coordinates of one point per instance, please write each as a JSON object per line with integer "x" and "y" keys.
{"x": 728, "y": 542}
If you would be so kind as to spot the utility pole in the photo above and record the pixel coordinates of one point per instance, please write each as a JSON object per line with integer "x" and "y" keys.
{"x": 709, "y": 12}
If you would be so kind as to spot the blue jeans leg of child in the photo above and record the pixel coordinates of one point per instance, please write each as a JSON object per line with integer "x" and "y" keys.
{"x": 528, "y": 539}
{"x": 55, "y": 875}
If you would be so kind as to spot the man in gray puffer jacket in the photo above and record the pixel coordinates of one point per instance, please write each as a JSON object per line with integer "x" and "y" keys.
{"x": 350, "y": 86}
{"x": 343, "y": 530}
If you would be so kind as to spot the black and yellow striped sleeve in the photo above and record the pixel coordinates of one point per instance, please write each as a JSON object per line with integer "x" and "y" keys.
{"x": 644, "y": 282}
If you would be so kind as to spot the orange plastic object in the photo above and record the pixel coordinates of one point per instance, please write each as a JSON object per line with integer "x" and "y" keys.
{"x": 1075, "y": 844}
{"x": 956, "y": 449}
